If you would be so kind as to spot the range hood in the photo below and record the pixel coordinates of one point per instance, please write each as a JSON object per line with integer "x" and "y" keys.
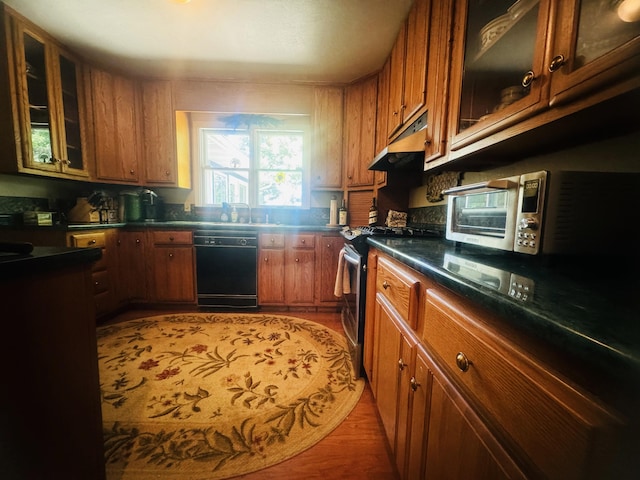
{"x": 407, "y": 152}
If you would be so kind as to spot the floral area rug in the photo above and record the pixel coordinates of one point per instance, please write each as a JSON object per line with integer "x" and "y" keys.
{"x": 213, "y": 395}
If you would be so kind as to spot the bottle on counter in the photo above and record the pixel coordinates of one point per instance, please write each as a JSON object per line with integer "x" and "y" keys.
{"x": 342, "y": 214}
{"x": 373, "y": 212}
{"x": 234, "y": 215}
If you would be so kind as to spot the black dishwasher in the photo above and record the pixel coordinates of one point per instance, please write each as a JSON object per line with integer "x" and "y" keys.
{"x": 226, "y": 268}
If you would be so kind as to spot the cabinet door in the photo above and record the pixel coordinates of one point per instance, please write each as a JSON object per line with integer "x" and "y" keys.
{"x": 360, "y": 118}
{"x": 596, "y": 43}
{"x": 498, "y": 46}
{"x": 132, "y": 274}
{"x": 420, "y": 384}
{"x": 173, "y": 274}
{"x": 50, "y": 105}
{"x": 458, "y": 445}
{"x": 326, "y": 165}
{"x": 396, "y": 82}
{"x": 159, "y": 133}
{"x": 115, "y": 127}
{"x": 415, "y": 74}
{"x": 300, "y": 276}
{"x": 327, "y": 252}
{"x": 271, "y": 284}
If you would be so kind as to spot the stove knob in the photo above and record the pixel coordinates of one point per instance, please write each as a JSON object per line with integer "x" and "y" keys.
{"x": 243, "y": 242}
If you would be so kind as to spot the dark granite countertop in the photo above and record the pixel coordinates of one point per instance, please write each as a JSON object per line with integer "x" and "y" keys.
{"x": 44, "y": 259}
{"x": 588, "y": 308}
{"x": 193, "y": 225}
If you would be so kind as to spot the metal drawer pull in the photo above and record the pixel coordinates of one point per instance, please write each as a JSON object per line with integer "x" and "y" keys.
{"x": 414, "y": 384}
{"x": 462, "y": 362}
{"x": 401, "y": 364}
{"x": 385, "y": 285}
{"x": 528, "y": 78}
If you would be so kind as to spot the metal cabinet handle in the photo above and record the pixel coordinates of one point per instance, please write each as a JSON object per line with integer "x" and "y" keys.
{"x": 137, "y": 241}
{"x": 297, "y": 259}
{"x": 385, "y": 285}
{"x": 528, "y": 78}
{"x": 462, "y": 362}
{"x": 302, "y": 241}
{"x": 171, "y": 239}
{"x": 171, "y": 255}
{"x": 91, "y": 242}
{"x": 401, "y": 364}
{"x": 557, "y": 62}
{"x": 414, "y": 384}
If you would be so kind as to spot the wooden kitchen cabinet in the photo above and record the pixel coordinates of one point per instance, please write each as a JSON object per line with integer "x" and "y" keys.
{"x": 132, "y": 266}
{"x": 359, "y": 135}
{"x": 328, "y": 248}
{"x": 461, "y": 396}
{"x": 163, "y": 166}
{"x": 408, "y": 76}
{"x": 116, "y": 127}
{"x": 104, "y": 271}
{"x": 42, "y": 103}
{"x": 326, "y": 165}
{"x": 300, "y": 269}
{"x": 173, "y": 264}
{"x": 518, "y": 66}
{"x": 271, "y": 284}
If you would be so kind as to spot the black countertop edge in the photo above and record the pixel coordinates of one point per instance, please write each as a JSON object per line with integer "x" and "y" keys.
{"x": 43, "y": 259}
{"x": 183, "y": 224}
{"x": 588, "y": 310}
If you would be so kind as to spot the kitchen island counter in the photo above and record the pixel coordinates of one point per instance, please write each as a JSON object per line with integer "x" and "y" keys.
{"x": 43, "y": 259}
{"x": 584, "y": 308}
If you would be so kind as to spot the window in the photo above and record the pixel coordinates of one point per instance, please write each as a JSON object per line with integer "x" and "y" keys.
{"x": 254, "y": 159}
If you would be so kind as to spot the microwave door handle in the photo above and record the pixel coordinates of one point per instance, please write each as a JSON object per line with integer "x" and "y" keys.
{"x": 500, "y": 184}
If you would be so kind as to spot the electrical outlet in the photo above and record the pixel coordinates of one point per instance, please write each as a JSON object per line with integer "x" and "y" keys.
{"x": 187, "y": 208}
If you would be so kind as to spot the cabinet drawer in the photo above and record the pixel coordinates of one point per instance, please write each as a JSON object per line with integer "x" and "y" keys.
{"x": 172, "y": 238}
{"x": 102, "y": 262}
{"x": 272, "y": 240}
{"x": 100, "y": 281}
{"x": 88, "y": 240}
{"x": 400, "y": 288}
{"x": 557, "y": 428}
{"x": 301, "y": 241}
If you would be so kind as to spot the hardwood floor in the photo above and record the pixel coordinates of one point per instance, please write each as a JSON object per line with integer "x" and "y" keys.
{"x": 356, "y": 450}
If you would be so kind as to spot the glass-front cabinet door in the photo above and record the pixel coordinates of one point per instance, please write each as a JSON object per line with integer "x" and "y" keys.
{"x": 48, "y": 94}
{"x": 597, "y": 43}
{"x": 500, "y": 46}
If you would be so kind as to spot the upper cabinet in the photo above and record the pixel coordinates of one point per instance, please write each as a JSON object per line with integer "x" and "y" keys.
{"x": 45, "y": 104}
{"x": 326, "y": 165}
{"x": 360, "y": 132}
{"x": 164, "y": 164}
{"x": 513, "y": 61}
{"x": 408, "y": 68}
{"x": 116, "y": 127}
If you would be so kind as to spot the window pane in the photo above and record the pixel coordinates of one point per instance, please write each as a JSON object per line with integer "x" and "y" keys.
{"x": 282, "y": 188}
{"x": 280, "y": 150}
{"x": 226, "y": 149}
{"x": 231, "y": 186}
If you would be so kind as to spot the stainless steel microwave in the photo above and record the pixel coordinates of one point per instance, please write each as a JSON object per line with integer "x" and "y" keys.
{"x": 564, "y": 212}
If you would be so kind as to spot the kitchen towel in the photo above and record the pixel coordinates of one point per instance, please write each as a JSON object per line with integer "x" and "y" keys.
{"x": 343, "y": 284}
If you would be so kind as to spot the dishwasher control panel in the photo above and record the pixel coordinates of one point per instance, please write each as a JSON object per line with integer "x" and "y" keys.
{"x": 225, "y": 238}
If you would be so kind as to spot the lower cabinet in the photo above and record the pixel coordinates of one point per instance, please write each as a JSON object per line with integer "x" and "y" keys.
{"x": 132, "y": 266}
{"x": 172, "y": 260}
{"x": 460, "y": 396}
{"x": 104, "y": 271}
{"x": 297, "y": 269}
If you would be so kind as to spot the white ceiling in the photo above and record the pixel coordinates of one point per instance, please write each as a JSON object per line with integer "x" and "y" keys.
{"x": 314, "y": 41}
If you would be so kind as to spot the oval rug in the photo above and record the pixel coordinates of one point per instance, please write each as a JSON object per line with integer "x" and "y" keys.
{"x": 213, "y": 395}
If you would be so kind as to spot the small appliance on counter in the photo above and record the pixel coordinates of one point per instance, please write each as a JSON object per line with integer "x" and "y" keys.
{"x": 130, "y": 207}
{"x": 151, "y": 205}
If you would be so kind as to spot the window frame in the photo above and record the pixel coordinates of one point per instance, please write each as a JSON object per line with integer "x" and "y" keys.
{"x": 214, "y": 120}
